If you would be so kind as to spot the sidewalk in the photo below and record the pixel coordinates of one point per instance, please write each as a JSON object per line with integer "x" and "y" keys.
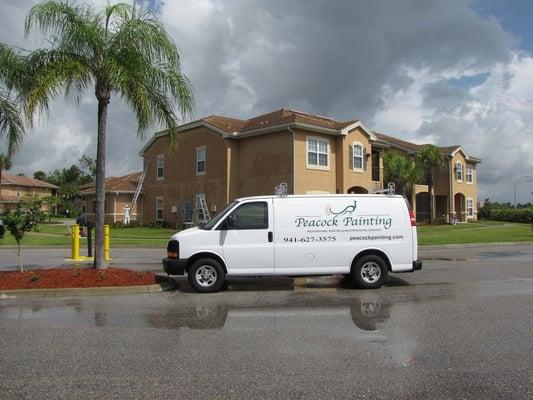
{"x": 45, "y": 257}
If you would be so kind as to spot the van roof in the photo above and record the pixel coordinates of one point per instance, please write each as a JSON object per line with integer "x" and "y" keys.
{"x": 318, "y": 196}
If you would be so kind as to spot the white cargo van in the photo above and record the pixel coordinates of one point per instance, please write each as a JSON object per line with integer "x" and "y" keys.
{"x": 361, "y": 236}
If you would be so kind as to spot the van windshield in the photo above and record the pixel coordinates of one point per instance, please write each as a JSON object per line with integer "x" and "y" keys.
{"x": 219, "y": 216}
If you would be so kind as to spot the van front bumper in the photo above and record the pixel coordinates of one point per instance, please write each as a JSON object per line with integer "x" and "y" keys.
{"x": 417, "y": 265}
{"x": 174, "y": 266}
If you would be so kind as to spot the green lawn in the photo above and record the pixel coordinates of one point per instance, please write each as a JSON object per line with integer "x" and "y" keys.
{"x": 58, "y": 235}
{"x": 479, "y": 232}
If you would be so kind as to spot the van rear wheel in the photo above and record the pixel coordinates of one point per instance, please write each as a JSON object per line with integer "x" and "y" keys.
{"x": 370, "y": 272}
{"x": 206, "y": 275}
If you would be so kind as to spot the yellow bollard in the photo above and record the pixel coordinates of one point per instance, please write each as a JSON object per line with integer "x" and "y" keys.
{"x": 75, "y": 242}
{"x": 107, "y": 256}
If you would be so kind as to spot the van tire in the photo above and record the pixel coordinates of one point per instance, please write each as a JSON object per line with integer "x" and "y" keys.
{"x": 206, "y": 275}
{"x": 370, "y": 272}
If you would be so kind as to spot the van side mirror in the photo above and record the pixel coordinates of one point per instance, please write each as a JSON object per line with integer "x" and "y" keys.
{"x": 230, "y": 222}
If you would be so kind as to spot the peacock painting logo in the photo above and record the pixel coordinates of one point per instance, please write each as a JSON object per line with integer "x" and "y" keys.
{"x": 350, "y": 209}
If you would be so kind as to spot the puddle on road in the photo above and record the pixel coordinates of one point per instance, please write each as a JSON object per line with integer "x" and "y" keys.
{"x": 363, "y": 314}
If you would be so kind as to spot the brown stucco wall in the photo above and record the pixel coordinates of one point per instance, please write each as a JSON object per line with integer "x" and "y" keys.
{"x": 114, "y": 207}
{"x": 22, "y": 192}
{"x": 263, "y": 163}
{"x": 180, "y": 181}
{"x": 442, "y": 180}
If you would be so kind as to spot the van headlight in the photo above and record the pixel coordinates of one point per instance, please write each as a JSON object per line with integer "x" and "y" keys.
{"x": 173, "y": 249}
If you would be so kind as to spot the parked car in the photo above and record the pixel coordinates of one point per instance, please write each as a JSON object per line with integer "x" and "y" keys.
{"x": 361, "y": 236}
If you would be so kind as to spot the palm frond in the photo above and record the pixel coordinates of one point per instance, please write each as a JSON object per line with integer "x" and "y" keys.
{"x": 71, "y": 28}
{"x": 53, "y": 72}
{"x": 11, "y": 123}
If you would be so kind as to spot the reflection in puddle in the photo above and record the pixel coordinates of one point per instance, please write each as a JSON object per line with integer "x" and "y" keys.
{"x": 366, "y": 315}
{"x": 281, "y": 327}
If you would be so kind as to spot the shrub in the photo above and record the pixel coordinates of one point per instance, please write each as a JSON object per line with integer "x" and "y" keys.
{"x": 524, "y": 215}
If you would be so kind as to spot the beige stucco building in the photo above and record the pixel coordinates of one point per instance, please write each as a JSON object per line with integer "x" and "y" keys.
{"x": 15, "y": 188}
{"x": 226, "y": 158}
{"x": 119, "y": 192}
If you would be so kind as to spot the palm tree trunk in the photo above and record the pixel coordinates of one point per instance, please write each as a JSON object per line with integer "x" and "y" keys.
{"x": 430, "y": 203}
{"x": 99, "y": 218}
{"x": 430, "y": 197}
{"x": 1, "y": 205}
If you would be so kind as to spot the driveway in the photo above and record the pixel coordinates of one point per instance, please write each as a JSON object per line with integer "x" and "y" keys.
{"x": 456, "y": 329}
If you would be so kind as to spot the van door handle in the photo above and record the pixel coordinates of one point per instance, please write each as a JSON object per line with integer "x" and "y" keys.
{"x": 270, "y": 237}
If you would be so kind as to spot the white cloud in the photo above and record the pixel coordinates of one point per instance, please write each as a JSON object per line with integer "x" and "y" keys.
{"x": 492, "y": 120}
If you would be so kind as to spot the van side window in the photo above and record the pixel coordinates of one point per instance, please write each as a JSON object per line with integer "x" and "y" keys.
{"x": 247, "y": 216}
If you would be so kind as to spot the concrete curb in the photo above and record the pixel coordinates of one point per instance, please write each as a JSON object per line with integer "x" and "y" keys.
{"x": 167, "y": 285}
{"x": 468, "y": 245}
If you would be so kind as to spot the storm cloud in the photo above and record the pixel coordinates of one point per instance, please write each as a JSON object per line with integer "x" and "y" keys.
{"x": 422, "y": 70}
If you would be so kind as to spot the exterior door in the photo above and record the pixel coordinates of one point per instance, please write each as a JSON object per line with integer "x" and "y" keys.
{"x": 246, "y": 238}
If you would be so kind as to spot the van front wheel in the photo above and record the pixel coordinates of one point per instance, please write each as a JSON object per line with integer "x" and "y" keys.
{"x": 370, "y": 272}
{"x": 206, "y": 275}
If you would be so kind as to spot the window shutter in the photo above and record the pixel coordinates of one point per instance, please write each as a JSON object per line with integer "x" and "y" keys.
{"x": 351, "y": 157}
{"x": 365, "y": 160}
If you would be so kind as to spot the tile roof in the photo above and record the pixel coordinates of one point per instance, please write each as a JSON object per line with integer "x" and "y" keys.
{"x": 26, "y": 181}
{"x": 240, "y": 128}
{"x": 395, "y": 142}
{"x": 126, "y": 183}
{"x": 274, "y": 118}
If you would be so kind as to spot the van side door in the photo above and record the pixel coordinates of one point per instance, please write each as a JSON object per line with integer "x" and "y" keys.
{"x": 246, "y": 238}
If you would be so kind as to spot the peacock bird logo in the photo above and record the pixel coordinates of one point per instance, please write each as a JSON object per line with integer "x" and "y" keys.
{"x": 347, "y": 210}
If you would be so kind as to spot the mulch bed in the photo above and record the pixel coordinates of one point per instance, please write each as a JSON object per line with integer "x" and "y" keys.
{"x": 74, "y": 278}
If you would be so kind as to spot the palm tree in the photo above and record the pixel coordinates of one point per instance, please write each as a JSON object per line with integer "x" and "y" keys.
{"x": 430, "y": 159}
{"x": 11, "y": 122}
{"x": 121, "y": 50}
{"x": 5, "y": 164}
{"x": 404, "y": 172}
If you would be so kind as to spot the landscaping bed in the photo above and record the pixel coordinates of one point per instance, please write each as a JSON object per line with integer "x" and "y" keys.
{"x": 74, "y": 278}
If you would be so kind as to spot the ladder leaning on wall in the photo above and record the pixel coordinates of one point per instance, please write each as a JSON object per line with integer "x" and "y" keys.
{"x": 138, "y": 189}
{"x": 201, "y": 211}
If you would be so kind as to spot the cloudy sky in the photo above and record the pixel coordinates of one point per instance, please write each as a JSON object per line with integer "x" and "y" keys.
{"x": 447, "y": 72}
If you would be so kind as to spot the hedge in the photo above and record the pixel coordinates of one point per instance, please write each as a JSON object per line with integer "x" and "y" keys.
{"x": 512, "y": 214}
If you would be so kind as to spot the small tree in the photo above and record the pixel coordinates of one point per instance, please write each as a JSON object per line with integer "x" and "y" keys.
{"x": 404, "y": 172}
{"x": 24, "y": 219}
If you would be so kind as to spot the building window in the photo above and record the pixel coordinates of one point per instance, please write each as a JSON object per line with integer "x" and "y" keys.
{"x": 159, "y": 208}
{"x": 469, "y": 174}
{"x": 459, "y": 171}
{"x": 318, "y": 153}
{"x": 470, "y": 208}
{"x": 160, "y": 166}
{"x": 201, "y": 155}
{"x": 358, "y": 157}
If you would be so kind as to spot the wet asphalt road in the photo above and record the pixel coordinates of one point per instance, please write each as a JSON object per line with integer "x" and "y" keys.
{"x": 455, "y": 330}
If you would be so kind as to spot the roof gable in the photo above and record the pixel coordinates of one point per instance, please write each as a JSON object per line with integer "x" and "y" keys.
{"x": 126, "y": 183}
{"x": 25, "y": 181}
